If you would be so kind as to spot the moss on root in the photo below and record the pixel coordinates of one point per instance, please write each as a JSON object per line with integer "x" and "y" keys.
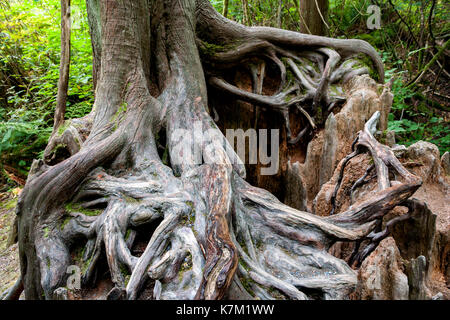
{"x": 46, "y": 232}
{"x": 211, "y": 49}
{"x": 10, "y": 204}
{"x": 65, "y": 221}
{"x": 63, "y": 127}
{"x": 73, "y": 207}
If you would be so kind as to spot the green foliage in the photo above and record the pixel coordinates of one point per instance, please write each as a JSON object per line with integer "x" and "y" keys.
{"x": 263, "y": 12}
{"x": 434, "y": 131}
{"x": 29, "y": 71}
{"x": 412, "y": 123}
{"x": 22, "y": 141}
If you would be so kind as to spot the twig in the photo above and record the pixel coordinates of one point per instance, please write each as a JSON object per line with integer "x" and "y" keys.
{"x": 441, "y": 95}
{"x": 429, "y": 64}
{"x": 321, "y": 16}
{"x": 436, "y": 80}
{"x": 432, "y": 103}
{"x": 430, "y": 27}
{"x": 301, "y": 16}
{"x": 404, "y": 22}
{"x": 443, "y": 69}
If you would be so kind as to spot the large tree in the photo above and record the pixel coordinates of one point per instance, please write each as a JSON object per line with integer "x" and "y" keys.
{"x": 123, "y": 176}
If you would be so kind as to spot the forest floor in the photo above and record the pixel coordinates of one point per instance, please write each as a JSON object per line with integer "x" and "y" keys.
{"x": 9, "y": 257}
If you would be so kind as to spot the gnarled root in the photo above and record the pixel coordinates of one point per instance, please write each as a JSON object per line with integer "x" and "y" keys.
{"x": 317, "y": 66}
{"x": 68, "y": 139}
{"x": 396, "y": 191}
{"x": 214, "y": 229}
{"x": 311, "y": 93}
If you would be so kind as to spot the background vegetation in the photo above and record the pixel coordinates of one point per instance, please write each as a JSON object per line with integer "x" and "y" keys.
{"x": 29, "y": 70}
{"x": 412, "y": 33}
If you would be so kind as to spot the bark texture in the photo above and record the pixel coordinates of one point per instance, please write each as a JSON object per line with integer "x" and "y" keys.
{"x": 314, "y": 17}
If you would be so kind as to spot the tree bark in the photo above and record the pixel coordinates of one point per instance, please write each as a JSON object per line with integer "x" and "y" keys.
{"x": 225, "y": 8}
{"x": 246, "y": 21}
{"x": 94, "y": 22}
{"x": 128, "y": 179}
{"x": 315, "y": 17}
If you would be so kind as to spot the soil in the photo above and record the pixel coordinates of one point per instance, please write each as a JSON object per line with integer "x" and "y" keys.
{"x": 9, "y": 257}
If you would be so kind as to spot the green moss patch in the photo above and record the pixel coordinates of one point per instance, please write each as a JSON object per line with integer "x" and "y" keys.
{"x": 71, "y": 207}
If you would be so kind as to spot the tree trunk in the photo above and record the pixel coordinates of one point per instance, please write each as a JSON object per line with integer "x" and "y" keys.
{"x": 279, "y": 12}
{"x": 139, "y": 203}
{"x": 315, "y": 17}
{"x": 225, "y": 8}
{"x": 94, "y": 22}
{"x": 246, "y": 21}
{"x": 64, "y": 65}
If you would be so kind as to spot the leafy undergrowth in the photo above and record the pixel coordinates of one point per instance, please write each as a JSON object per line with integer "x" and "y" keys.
{"x": 29, "y": 71}
{"x": 412, "y": 120}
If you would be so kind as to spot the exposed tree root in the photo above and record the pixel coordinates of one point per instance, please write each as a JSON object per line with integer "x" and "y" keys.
{"x": 14, "y": 292}
{"x": 316, "y": 74}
